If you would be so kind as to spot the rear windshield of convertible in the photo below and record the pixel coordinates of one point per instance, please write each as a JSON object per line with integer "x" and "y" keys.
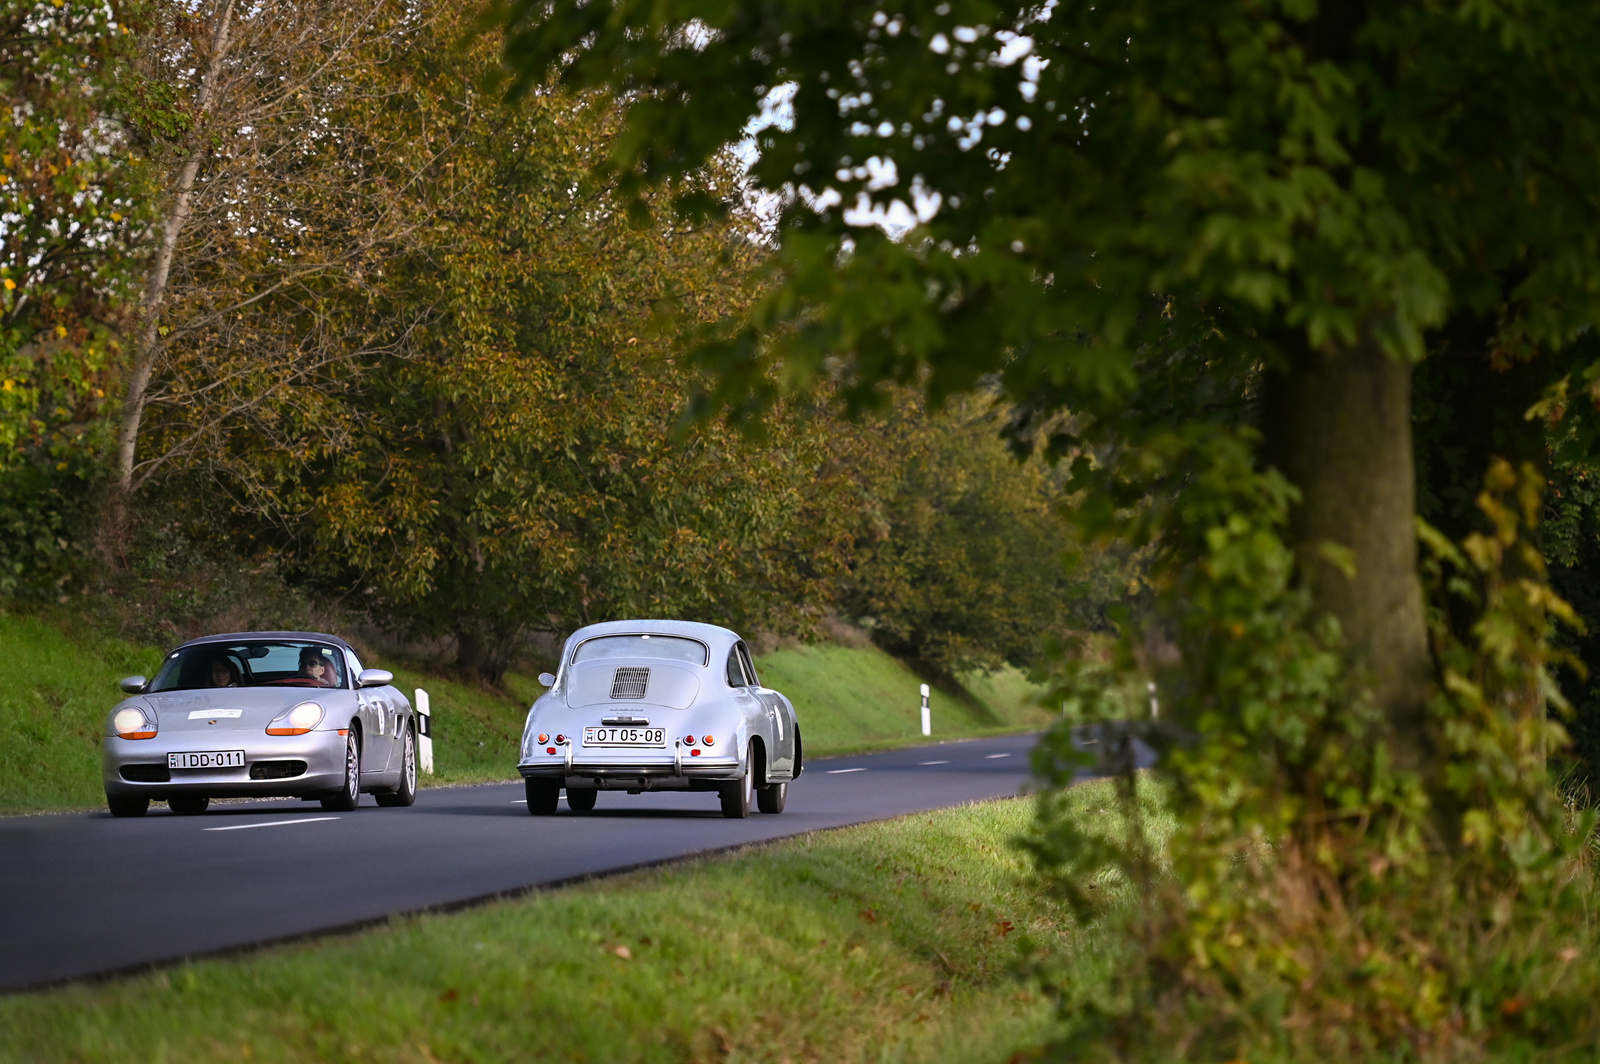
{"x": 665, "y": 647}
{"x": 252, "y": 663}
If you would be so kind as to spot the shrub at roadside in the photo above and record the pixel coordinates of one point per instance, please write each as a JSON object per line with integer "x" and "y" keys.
{"x": 1315, "y": 899}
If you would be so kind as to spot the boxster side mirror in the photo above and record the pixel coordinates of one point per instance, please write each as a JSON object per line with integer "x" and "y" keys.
{"x": 374, "y": 678}
{"x": 133, "y": 685}
{"x": 546, "y": 680}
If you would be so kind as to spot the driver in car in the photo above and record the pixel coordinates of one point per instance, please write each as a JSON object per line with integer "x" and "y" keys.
{"x": 223, "y": 674}
{"x": 315, "y": 666}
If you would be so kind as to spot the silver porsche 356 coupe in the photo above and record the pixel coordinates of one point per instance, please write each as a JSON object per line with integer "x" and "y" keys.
{"x": 259, "y": 714}
{"x": 654, "y": 706}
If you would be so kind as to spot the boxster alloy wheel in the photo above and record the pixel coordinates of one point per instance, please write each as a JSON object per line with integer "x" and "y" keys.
{"x": 188, "y": 804}
{"x": 405, "y": 791}
{"x": 349, "y": 796}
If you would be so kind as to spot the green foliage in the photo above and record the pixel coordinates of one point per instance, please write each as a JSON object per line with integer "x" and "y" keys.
{"x": 1281, "y": 174}
{"x": 1302, "y": 856}
{"x": 487, "y": 449}
{"x": 1571, "y": 543}
{"x": 73, "y": 206}
{"x": 1149, "y": 232}
{"x": 963, "y": 569}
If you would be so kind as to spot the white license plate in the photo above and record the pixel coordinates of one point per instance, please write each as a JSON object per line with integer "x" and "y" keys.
{"x": 624, "y": 737}
{"x": 207, "y": 759}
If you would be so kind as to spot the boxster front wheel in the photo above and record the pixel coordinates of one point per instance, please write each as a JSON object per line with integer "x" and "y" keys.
{"x": 405, "y": 791}
{"x": 349, "y": 796}
{"x": 127, "y": 805}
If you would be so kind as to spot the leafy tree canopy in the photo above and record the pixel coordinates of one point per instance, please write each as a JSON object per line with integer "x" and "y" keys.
{"x": 72, "y": 207}
{"x": 1202, "y": 247}
{"x": 1312, "y": 175}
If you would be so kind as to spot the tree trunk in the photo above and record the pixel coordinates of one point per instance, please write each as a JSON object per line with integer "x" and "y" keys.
{"x": 1338, "y": 425}
{"x": 482, "y": 652}
{"x": 155, "y": 290}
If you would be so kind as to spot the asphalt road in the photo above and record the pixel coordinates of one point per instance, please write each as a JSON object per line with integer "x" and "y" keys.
{"x": 85, "y": 894}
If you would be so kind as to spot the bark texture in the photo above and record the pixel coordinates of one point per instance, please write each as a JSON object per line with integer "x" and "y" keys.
{"x": 1338, "y": 425}
{"x": 155, "y": 289}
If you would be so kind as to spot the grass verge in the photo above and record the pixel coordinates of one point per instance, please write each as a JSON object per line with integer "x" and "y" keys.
{"x": 906, "y": 940}
{"x": 851, "y": 698}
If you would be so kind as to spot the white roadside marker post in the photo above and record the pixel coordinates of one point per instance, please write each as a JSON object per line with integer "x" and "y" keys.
{"x": 927, "y": 717}
{"x": 424, "y": 733}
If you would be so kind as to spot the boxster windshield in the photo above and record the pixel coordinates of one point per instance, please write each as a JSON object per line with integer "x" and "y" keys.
{"x": 252, "y": 663}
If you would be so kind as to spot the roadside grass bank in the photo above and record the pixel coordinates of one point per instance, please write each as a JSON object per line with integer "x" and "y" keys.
{"x": 859, "y": 698}
{"x": 58, "y": 678}
{"x": 905, "y": 940}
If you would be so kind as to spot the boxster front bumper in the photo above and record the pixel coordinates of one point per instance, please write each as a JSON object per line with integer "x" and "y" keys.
{"x": 274, "y": 765}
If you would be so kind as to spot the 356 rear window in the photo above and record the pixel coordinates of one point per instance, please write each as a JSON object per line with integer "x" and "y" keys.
{"x": 660, "y": 647}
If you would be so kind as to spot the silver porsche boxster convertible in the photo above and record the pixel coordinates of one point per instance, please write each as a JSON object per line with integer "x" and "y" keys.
{"x": 259, "y": 714}
{"x": 654, "y": 706}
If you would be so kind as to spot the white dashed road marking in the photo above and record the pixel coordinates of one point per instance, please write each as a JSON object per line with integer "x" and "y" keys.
{"x": 273, "y": 823}
{"x": 991, "y": 757}
{"x": 839, "y": 771}
{"x": 935, "y": 762}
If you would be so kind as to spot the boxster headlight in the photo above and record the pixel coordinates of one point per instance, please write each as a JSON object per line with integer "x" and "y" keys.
{"x": 131, "y": 723}
{"x": 297, "y": 721}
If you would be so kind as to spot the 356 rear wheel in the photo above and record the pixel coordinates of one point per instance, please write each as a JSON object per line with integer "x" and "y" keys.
{"x": 736, "y": 794}
{"x": 582, "y": 799}
{"x": 542, "y": 796}
{"x": 772, "y": 798}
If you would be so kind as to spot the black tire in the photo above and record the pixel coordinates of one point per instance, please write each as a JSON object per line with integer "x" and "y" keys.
{"x": 349, "y": 796}
{"x": 127, "y": 804}
{"x": 736, "y": 795}
{"x": 188, "y": 804}
{"x": 405, "y": 792}
{"x": 582, "y": 799}
{"x": 772, "y": 798}
{"x": 542, "y": 796}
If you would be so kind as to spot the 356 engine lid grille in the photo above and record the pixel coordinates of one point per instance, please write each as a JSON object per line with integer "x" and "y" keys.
{"x": 629, "y": 682}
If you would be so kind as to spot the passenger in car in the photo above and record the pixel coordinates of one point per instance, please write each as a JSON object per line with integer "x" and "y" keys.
{"x": 223, "y": 673}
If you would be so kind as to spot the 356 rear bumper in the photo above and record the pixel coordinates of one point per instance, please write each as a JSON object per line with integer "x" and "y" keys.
{"x": 621, "y": 774}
